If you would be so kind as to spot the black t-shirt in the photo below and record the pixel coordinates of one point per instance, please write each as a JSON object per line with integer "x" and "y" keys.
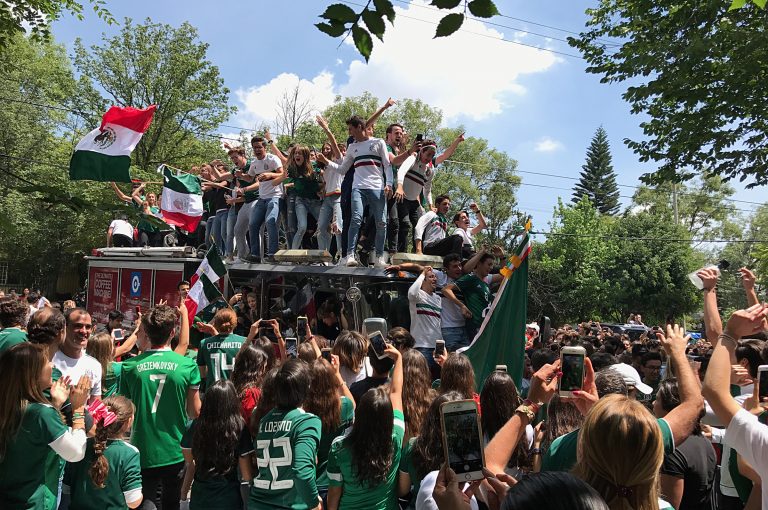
{"x": 359, "y": 388}
{"x": 218, "y": 200}
{"x": 694, "y": 461}
{"x": 329, "y": 332}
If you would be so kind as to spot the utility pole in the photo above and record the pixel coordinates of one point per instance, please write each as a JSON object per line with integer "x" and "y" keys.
{"x": 677, "y": 222}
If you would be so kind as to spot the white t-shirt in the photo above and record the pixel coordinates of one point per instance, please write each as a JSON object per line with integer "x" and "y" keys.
{"x": 75, "y": 368}
{"x": 749, "y": 438}
{"x": 466, "y": 236}
{"x": 332, "y": 180}
{"x": 451, "y": 316}
{"x": 121, "y": 227}
{"x": 424, "y": 500}
{"x": 270, "y": 163}
{"x": 425, "y": 311}
{"x": 370, "y": 160}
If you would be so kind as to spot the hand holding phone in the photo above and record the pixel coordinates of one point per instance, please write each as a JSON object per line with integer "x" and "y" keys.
{"x": 118, "y": 334}
{"x": 378, "y": 344}
{"x": 439, "y": 347}
{"x": 326, "y": 354}
{"x": 463, "y": 439}
{"x": 762, "y": 384}
{"x": 292, "y": 347}
{"x": 572, "y": 367}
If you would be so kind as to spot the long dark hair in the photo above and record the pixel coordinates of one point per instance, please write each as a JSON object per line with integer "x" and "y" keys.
{"x": 20, "y": 368}
{"x": 457, "y": 374}
{"x": 123, "y": 409}
{"x": 266, "y": 401}
{"x": 249, "y": 370}
{"x": 323, "y": 399}
{"x": 217, "y": 431}
{"x": 669, "y": 398}
{"x": 420, "y": 394}
{"x": 370, "y": 440}
{"x": 562, "y": 417}
{"x": 498, "y": 400}
{"x": 428, "y": 454}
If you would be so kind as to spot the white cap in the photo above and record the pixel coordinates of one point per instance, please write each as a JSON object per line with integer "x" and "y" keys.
{"x": 533, "y": 325}
{"x": 631, "y": 377}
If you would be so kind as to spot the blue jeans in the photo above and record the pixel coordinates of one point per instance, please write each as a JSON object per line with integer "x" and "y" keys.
{"x": 429, "y": 355}
{"x": 209, "y": 221}
{"x": 374, "y": 199}
{"x": 219, "y": 229}
{"x": 229, "y": 243}
{"x": 330, "y": 207}
{"x": 241, "y": 229}
{"x": 266, "y": 210}
{"x": 455, "y": 338}
{"x": 304, "y": 206}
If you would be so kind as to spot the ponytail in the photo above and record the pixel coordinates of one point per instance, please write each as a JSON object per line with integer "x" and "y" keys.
{"x": 122, "y": 409}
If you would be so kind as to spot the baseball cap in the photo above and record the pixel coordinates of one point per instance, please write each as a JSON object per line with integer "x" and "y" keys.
{"x": 631, "y": 377}
{"x": 533, "y": 325}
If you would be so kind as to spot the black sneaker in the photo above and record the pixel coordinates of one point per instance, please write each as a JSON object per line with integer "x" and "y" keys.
{"x": 269, "y": 259}
{"x": 252, "y": 259}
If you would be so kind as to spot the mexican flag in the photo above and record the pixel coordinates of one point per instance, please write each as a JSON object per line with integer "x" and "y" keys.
{"x": 104, "y": 154}
{"x": 203, "y": 289}
{"x": 501, "y": 338}
{"x": 182, "y": 200}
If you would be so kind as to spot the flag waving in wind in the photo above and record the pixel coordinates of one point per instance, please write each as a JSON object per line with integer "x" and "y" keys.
{"x": 104, "y": 154}
{"x": 203, "y": 289}
{"x": 182, "y": 200}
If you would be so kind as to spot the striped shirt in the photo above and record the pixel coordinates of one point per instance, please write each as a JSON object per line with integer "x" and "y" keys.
{"x": 431, "y": 228}
{"x": 417, "y": 178}
{"x": 371, "y": 163}
{"x": 425, "y": 311}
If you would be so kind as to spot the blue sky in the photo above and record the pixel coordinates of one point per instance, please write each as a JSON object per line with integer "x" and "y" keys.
{"x": 540, "y": 107}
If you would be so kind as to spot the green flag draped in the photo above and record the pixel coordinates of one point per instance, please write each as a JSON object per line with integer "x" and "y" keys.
{"x": 501, "y": 339}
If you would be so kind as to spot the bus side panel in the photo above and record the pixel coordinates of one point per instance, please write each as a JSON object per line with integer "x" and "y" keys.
{"x": 135, "y": 290}
{"x": 102, "y": 292}
{"x": 166, "y": 286}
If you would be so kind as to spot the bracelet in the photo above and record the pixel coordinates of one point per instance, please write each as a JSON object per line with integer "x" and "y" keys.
{"x": 535, "y": 451}
{"x": 723, "y": 337}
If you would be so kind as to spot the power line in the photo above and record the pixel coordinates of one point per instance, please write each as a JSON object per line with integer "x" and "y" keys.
{"x": 643, "y": 238}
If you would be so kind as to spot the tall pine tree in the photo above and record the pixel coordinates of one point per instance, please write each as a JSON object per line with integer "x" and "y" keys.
{"x": 598, "y": 180}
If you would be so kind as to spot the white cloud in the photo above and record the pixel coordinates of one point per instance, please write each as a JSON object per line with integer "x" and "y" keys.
{"x": 473, "y": 73}
{"x": 547, "y": 144}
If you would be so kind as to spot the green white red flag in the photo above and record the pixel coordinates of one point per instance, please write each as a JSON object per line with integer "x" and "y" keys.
{"x": 203, "y": 288}
{"x": 182, "y": 200}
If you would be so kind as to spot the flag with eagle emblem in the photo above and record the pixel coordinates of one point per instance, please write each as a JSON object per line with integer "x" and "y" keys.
{"x": 182, "y": 200}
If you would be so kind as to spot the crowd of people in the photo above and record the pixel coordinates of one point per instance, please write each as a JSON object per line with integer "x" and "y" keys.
{"x": 252, "y": 421}
{"x": 364, "y": 199}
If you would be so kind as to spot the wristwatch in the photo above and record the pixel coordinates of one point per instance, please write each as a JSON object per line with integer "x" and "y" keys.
{"x": 270, "y": 142}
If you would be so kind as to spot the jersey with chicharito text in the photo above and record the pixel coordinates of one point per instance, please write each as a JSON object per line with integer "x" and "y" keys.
{"x": 217, "y": 354}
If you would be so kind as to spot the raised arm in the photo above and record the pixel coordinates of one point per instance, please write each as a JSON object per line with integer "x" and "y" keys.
{"x": 413, "y": 290}
{"x": 471, "y": 264}
{"x": 396, "y": 385}
{"x": 331, "y": 138}
{"x": 480, "y": 221}
{"x": 748, "y": 281}
{"x": 450, "y": 150}
{"x": 273, "y": 147}
{"x": 181, "y": 348}
{"x": 372, "y": 120}
{"x": 135, "y": 196}
{"x": 129, "y": 342}
{"x": 122, "y": 196}
{"x": 712, "y": 322}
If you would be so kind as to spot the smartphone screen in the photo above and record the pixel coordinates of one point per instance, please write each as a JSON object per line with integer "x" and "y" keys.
{"x": 378, "y": 344}
{"x": 118, "y": 334}
{"x": 439, "y": 347}
{"x": 326, "y": 354}
{"x": 291, "y": 347}
{"x": 301, "y": 327}
{"x": 462, "y": 440}
{"x": 572, "y": 367}
{"x": 763, "y": 382}
{"x": 419, "y": 137}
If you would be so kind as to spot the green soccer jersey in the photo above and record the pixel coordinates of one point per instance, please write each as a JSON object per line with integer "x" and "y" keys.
{"x": 561, "y": 455}
{"x": 30, "y": 470}
{"x": 157, "y": 382}
{"x": 111, "y": 379}
{"x": 123, "y": 481}
{"x": 286, "y": 451}
{"x": 10, "y": 337}
{"x": 406, "y": 466}
{"x": 347, "y": 417}
{"x": 217, "y": 354}
{"x": 357, "y": 496}
{"x": 212, "y": 492}
{"x": 477, "y": 297}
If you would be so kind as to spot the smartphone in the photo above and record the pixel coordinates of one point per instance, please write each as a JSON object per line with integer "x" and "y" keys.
{"x": 301, "y": 327}
{"x": 762, "y": 383}
{"x": 439, "y": 347}
{"x": 463, "y": 439}
{"x": 264, "y": 331}
{"x": 378, "y": 344}
{"x": 118, "y": 334}
{"x": 326, "y": 353}
{"x": 501, "y": 368}
{"x": 138, "y": 309}
{"x": 419, "y": 137}
{"x": 572, "y": 367}
{"x": 292, "y": 347}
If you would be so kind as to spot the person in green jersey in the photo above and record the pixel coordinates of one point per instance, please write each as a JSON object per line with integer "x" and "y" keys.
{"x": 216, "y": 356}
{"x": 285, "y": 446}
{"x": 34, "y": 440}
{"x": 13, "y": 321}
{"x": 475, "y": 289}
{"x": 331, "y": 401}
{"x": 307, "y": 183}
{"x": 109, "y": 477}
{"x": 163, "y": 385}
{"x": 210, "y": 447}
{"x": 362, "y": 466}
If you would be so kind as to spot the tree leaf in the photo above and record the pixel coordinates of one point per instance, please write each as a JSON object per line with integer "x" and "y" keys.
{"x": 449, "y": 24}
{"x": 737, "y": 4}
{"x": 385, "y": 8}
{"x": 363, "y": 41}
{"x": 759, "y": 3}
{"x": 333, "y": 29}
{"x": 445, "y": 4}
{"x": 483, "y": 8}
{"x": 375, "y": 23}
{"x": 340, "y": 12}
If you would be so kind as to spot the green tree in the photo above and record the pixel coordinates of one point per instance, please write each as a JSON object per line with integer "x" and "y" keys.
{"x": 694, "y": 69}
{"x": 598, "y": 180}
{"x": 153, "y": 63}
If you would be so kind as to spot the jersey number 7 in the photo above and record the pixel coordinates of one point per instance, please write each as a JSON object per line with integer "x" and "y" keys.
{"x": 161, "y": 384}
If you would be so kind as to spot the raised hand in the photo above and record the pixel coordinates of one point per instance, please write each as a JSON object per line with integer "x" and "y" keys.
{"x": 747, "y": 278}
{"x": 747, "y": 322}
{"x": 708, "y": 277}
{"x": 60, "y": 391}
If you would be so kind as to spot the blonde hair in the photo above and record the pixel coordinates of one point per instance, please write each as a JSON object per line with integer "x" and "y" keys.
{"x": 225, "y": 320}
{"x": 100, "y": 346}
{"x": 620, "y": 452}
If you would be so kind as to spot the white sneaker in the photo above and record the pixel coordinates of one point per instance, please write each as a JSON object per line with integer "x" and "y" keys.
{"x": 350, "y": 261}
{"x": 381, "y": 262}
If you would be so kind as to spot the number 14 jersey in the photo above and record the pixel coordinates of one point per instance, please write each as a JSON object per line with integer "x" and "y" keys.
{"x": 157, "y": 382}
